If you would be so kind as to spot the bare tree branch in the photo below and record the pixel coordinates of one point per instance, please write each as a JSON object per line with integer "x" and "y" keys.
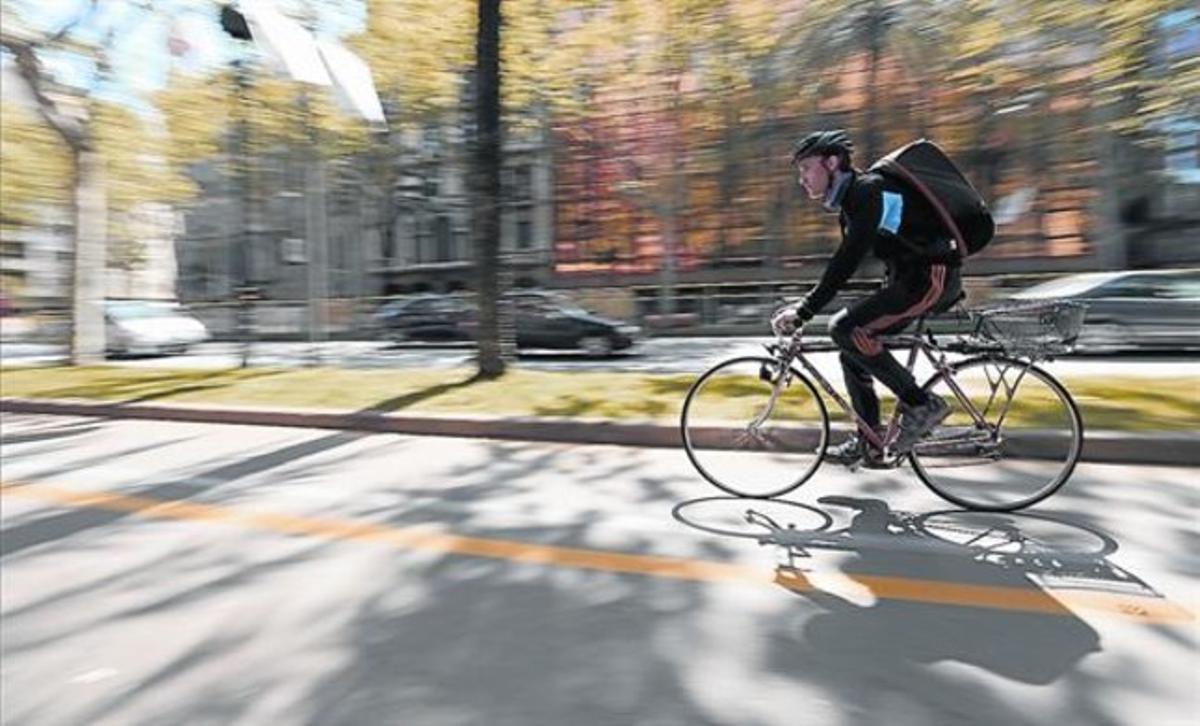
{"x": 30, "y": 70}
{"x": 64, "y": 30}
{"x": 24, "y": 44}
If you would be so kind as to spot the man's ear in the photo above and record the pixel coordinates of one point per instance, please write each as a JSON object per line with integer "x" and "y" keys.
{"x": 831, "y": 163}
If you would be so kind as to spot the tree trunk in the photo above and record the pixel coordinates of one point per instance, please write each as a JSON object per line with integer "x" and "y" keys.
{"x": 1124, "y": 173}
{"x": 486, "y": 174}
{"x": 1109, "y": 236}
{"x": 669, "y": 213}
{"x": 88, "y": 273}
{"x": 875, "y": 28}
{"x": 727, "y": 178}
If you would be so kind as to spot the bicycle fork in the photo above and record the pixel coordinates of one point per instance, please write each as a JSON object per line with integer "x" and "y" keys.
{"x": 778, "y": 383}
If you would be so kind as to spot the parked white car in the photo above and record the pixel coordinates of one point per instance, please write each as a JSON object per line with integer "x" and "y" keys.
{"x": 150, "y": 327}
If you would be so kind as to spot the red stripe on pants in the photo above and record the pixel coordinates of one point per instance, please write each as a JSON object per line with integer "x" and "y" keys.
{"x": 866, "y": 343}
{"x": 864, "y": 336}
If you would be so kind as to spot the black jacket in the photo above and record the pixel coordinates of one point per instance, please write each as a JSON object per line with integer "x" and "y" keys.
{"x": 882, "y": 216}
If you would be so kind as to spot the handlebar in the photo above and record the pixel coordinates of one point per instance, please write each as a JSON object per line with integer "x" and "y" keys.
{"x": 788, "y": 341}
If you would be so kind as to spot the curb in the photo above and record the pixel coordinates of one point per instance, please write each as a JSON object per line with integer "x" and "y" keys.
{"x": 1169, "y": 448}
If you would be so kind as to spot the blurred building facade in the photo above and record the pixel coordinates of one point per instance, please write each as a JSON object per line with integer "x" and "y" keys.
{"x": 35, "y": 261}
{"x": 417, "y": 238}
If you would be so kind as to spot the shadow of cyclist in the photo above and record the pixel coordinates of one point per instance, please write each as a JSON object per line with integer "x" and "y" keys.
{"x": 922, "y": 614}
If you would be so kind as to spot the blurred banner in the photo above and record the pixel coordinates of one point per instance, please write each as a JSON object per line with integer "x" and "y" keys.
{"x": 290, "y": 47}
{"x": 352, "y": 82}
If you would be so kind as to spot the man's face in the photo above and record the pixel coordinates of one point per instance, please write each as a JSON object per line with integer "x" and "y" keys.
{"x": 813, "y": 172}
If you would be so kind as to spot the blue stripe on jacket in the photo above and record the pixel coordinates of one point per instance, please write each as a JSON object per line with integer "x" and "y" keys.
{"x": 893, "y": 209}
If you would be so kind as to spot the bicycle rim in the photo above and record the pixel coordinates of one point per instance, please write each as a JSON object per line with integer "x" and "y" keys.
{"x": 747, "y": 441}
{"x": 1025, "y": 449}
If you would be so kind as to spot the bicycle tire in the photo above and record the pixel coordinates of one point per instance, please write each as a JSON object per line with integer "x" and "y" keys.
{"x": 970, "y": 494}
{"x": 719, "y": 435}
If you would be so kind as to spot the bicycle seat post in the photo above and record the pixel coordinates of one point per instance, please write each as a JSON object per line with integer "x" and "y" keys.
{"x": 928, "y": 331}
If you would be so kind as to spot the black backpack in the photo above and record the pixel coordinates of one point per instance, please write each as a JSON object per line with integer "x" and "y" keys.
{"x": 922, "y": 166}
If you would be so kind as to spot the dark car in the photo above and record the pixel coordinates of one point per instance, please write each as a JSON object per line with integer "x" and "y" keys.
{"x": 426, "y": 318}
{"x": 1152, "y": 310}
{"x": 549, "y": 320}
{"x": 543, "y": 320}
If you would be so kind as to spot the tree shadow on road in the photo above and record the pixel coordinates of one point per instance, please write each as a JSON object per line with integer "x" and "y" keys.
{"x": 376, "y": 633}
{"x": 62, "y": 526}
{"x": 429, "y": 638}
{"x": 30, "y": 430}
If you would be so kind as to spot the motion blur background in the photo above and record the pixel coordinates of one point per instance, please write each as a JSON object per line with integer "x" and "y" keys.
{"x": 645, "y": 170}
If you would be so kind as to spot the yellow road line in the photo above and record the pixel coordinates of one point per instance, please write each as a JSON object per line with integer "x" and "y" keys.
{"x": 1143, "y": 609}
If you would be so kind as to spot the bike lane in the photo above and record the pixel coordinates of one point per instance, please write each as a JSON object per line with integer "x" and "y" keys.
{"x": 150, "y": 523}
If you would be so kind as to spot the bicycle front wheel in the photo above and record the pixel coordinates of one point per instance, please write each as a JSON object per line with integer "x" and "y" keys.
{"x": 1012, "y": 438}
{"x": 751, "y": 433}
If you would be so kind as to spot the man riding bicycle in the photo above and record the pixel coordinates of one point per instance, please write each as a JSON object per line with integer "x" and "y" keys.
{"x": 881, "y": 216}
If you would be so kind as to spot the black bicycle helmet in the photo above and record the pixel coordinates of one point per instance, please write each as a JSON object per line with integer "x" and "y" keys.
{"x": 834, "y": 142}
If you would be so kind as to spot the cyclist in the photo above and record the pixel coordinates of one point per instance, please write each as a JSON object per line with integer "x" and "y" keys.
{"x": 877, "y": 215}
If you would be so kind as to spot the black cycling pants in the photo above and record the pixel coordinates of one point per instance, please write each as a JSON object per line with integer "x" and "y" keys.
{"x": 856, "y": 331}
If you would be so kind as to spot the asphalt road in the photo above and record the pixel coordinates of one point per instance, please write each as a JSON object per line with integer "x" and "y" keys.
{"x": 196, "y": 574}
{"x": 653, "y": 355}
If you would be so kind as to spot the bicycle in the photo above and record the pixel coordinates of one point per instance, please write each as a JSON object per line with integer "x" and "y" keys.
{"x": 757, "y": 426}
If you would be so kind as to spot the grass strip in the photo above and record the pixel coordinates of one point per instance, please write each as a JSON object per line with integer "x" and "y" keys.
{"x": 1130, "y": 404}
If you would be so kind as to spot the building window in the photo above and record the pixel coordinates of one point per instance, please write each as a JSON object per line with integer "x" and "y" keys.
{"x": 421, "y": 241}
{"x": 401, "y": 229}
{"x": 444, "y": 240}
{"x": 431, "y": 139}
{"x": 432, "y": 186}
{"x": 524, "y": 230}
{"x": 518, "y": 183}
{"x": 1183, "y": 151}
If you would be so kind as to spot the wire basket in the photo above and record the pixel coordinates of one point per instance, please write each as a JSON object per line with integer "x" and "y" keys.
{"x": 1045, "y": 327}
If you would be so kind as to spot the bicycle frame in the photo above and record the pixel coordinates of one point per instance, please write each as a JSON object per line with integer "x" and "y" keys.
{"x": 789, "y": 351}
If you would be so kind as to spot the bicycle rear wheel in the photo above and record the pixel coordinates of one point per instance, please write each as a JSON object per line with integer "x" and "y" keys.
{"x": 749, "y": 436}
{"x": 1022, "y": 450}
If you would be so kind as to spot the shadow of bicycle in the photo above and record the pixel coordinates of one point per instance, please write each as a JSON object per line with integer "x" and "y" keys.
{"x": 1002, "y": 592}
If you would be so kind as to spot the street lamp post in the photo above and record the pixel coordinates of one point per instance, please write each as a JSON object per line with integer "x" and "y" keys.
{"x": 311, "y": 62}
{"x": 244, "y": 291}
{"x": 316, "y": 226}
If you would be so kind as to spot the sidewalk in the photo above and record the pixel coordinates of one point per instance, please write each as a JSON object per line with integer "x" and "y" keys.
{"x": 1167, "y": 448}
